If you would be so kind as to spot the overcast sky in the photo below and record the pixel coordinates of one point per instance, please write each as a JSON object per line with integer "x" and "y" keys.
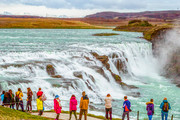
{"x": 81, "y": 8}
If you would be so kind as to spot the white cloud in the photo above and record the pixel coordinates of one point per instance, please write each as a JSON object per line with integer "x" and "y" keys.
{"x": 80, "y": 8}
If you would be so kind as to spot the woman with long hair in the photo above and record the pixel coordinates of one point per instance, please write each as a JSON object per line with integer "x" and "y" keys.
{"x": 29, "y": 100}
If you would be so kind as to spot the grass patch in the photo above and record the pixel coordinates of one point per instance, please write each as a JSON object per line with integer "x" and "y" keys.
{"x": 148, "y": 35}
{"x": 10, "y": 114}
{"x": 105, "y": 34}
{"x": 133, "y": 28}
{"x": 44, "y": 23}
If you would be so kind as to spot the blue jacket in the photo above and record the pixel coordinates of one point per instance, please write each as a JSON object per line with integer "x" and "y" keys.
{"x": 2, "y": 97}
{"x": 162, "y": 104}
{"x": 127, "y": 103}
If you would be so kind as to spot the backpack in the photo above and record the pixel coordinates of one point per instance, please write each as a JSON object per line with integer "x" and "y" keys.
{"x": 166, "y": 107}
{"x": 126, "y": 108}
{"x": 149, "y": 108}
{"x": 44, "y": 98}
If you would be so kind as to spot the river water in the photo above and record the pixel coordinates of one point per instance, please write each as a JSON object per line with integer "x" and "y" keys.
{"x": 25, "y": 53}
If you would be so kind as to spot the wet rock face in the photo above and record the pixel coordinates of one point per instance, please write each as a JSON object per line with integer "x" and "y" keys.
{"x": 104, "y": 59}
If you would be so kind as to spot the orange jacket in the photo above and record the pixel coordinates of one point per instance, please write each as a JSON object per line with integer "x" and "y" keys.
{"x": 84, "y": 103}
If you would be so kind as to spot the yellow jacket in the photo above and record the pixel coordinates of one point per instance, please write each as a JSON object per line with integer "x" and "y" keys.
{"x": 20, "y": 94}
{"x": 84, "y": 103}
{"x": 39, "y": 104}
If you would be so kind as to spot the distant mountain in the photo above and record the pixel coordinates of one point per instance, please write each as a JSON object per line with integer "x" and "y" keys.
{"x": 18, "y": 16}
{"x": 6, "y": 13}
{"x": 165, "y": 15}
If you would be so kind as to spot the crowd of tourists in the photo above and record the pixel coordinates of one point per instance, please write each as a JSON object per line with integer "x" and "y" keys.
{"x": 8, "y": 99}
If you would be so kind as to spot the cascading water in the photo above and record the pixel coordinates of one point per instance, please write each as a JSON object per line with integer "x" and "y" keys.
{"x": 26, "y": 53}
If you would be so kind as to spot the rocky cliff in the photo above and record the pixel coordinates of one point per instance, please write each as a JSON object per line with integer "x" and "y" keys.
{"x": 160, "y": 38}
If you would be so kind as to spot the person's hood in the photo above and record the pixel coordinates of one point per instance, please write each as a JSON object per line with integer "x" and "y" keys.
{"x": 85, "y": 97}
{"x": 149, "y": 103}
{"x": 165, "y": 101}
{"x": 108, "y": 98}
{"x": 73, "y": 98}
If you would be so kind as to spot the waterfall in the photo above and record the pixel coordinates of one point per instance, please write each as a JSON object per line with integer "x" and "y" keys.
{"x": 29, "y": 69}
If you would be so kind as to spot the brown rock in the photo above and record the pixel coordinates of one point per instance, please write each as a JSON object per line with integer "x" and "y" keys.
{"x": 56, "y": 76}
{"x": 50, "y": 70}
{"x": 78, "y": 74}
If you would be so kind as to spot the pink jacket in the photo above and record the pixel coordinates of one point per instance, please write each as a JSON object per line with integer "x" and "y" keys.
{"x": 73, "y": 104}
{"x": 57, "y": 106}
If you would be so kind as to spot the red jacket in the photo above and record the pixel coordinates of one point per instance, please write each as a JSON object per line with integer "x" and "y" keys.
{"x": 73, "y": 104}
{"x": 39, "y": 93}
{"x": 57, "y": 106}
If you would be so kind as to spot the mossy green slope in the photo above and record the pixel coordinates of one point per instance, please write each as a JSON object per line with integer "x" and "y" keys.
{"x": 10, "y": 114}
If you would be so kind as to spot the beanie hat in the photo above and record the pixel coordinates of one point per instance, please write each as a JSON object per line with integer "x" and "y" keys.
{"x": 57, "y": 96}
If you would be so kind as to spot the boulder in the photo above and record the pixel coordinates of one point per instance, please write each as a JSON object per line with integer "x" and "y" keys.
{"x": 50, "y": 70}
{"x": 78, "y": 74}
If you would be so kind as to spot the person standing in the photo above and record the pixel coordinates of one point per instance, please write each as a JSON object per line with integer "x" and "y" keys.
{"x": 73, "y": 106}
{"x": 84, "y": 103}
{"x": 57, "y": 106}
{"x": 127, "y": 108}
{"x": 7, "y": 99}
{"x": 2, "y": 98}
{"x": 29, "y": 100}
{"x": 150, "y": 109}
{"x": 165, "y": 106}
{"x": 39, "y": 105}
{"x": 19, "y": 100}
{"x": 12, "y": 101}
{"x": 108, "y": 106}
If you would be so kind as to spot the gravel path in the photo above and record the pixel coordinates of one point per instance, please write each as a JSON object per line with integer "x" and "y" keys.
{"x": 62, "y": 116}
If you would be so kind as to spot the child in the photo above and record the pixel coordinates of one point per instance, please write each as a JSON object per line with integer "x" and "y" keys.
{"x": 40, "y": 105}
{"x": 108, "y": 106}
{"x": 73, "y": 106}
{"x": 57, "y": 106}
{"x": 2, "y": 98}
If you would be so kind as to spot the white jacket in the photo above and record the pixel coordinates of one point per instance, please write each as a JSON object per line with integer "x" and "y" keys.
{"x": 108, "y": 102}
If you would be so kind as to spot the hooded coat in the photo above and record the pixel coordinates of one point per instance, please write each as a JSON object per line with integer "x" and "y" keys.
{"x": 162, "y": 104}
{"x": 73, "y": 104}
{"x": 84, "y": 103}
{"x": 57, "y": 106}
{"x": 150, "y": 108}
{"x": 108, "y": 101}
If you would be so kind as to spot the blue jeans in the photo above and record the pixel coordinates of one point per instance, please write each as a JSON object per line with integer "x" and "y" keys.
{"x": 164, "y": 114}
{"x": 150, "y": 117}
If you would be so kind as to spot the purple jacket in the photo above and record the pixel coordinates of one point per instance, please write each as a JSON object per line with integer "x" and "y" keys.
{"x": 150, "y": 109}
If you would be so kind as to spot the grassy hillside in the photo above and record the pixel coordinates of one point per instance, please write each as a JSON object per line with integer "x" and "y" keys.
{"x": 48, "y": 23}
{"x": 135, "y": 26}
{"x": 9, "y": 114}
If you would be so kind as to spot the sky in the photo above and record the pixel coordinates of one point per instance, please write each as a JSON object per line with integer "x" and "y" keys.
{"x": 81, "y": 8}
